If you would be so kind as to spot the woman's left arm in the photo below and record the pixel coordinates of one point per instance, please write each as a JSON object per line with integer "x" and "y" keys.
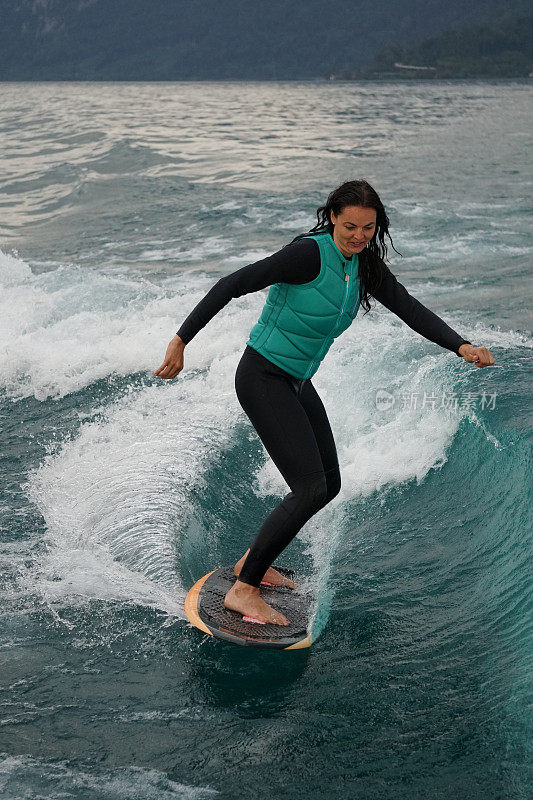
{"x": 394, "y": 296}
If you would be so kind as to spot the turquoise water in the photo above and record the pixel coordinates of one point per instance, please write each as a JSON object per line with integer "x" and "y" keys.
{"x": 121, "y": 205}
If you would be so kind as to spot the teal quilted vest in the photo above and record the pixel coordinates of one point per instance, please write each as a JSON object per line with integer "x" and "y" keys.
{"x": 299, "y": 322}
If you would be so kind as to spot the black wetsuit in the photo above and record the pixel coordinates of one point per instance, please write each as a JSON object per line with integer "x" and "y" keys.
{"x": 287, "y": 412}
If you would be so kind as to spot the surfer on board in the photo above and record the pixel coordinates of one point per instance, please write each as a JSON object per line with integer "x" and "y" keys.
{"x": 318, "y": 282}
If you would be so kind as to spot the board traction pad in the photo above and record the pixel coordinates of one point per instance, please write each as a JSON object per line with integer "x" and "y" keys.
{"x": 229, "y": 625}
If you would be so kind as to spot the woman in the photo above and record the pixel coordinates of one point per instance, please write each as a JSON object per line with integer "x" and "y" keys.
{"x": 317, "y": 283}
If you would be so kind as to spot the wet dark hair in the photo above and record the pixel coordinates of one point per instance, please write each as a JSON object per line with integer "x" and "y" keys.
{"x": 359, "y": 193}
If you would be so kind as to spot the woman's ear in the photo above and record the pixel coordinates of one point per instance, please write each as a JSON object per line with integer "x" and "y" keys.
{"x": 332, "y": 217}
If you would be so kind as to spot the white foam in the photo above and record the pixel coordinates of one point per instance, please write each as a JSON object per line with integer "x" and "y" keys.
{"x": 431, "y": 287}
{"x": 210, "y": 246}
{"x": 377, "y": 449}
{"x": 13, "y": 271}
{"x": 61, "y": 331}
{"x": 446, "y": 247}
{"x": 25, "y": 776}
{"x": 117, "y": 499}
{"x": 380, "y": 450}
{"x": 410, "y": 208}
{"x": 248, "y": 257}
{"x": 298, "y": 222}
{"x": 227, "y": 205}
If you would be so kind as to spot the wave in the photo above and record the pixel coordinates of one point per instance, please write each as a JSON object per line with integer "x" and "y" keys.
{"x": 66, "y": 329}
{"x": 117, "y": 500}
{"x": 124, "y": 500}
{"x": 210, "y": 246}
{"x": 25, "y": 776}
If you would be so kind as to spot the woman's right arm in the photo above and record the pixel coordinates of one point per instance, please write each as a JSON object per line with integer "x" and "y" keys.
{"x": 296, "y": 263}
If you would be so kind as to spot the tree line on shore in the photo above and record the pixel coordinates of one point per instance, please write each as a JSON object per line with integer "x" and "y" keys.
{"x": 477, "y": 51}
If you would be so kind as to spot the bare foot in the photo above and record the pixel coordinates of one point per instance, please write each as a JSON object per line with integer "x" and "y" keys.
{"x": 246, "y": 600}
{"x": 271, "y": 575}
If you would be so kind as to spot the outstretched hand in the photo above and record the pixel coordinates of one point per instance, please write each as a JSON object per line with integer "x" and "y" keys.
{"x": 173, "y": 363}
{"x": 479, "y": 356}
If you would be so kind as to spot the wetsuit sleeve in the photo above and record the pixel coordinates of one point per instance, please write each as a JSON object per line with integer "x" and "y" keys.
{"x": 394, "y": 296}
{"x": 297, "y": 263}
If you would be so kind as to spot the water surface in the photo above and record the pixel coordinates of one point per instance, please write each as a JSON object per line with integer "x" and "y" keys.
{"x": 121, "y": 205}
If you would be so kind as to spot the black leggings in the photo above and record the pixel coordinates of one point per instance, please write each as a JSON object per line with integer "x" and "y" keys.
{"x": 291, "y": 421}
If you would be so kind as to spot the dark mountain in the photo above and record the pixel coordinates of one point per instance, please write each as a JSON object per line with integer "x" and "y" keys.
{"x": 219, "y": 39}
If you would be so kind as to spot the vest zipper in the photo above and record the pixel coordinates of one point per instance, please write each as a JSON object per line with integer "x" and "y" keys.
{"x": 347, "y": 281}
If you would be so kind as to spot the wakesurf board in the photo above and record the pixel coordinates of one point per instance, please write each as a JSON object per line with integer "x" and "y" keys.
{"x": 204, "y": 607}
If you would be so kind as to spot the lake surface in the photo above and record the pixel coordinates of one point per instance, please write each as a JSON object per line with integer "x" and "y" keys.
{"x": 121, "y": 205}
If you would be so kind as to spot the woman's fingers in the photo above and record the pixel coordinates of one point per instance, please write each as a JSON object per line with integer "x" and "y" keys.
{"x": 173, "y": 363}
{"x": 484, "y": 357}
{"x": 168, "y": 370}
{"x": 480, "y": 356}
{"x": 162, "y": 368}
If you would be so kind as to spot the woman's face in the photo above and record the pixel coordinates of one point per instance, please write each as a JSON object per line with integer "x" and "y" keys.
{"x": 353, "y": 229}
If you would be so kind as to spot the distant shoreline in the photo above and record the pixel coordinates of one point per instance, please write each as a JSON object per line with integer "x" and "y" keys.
{"x": 321, "y": 81}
